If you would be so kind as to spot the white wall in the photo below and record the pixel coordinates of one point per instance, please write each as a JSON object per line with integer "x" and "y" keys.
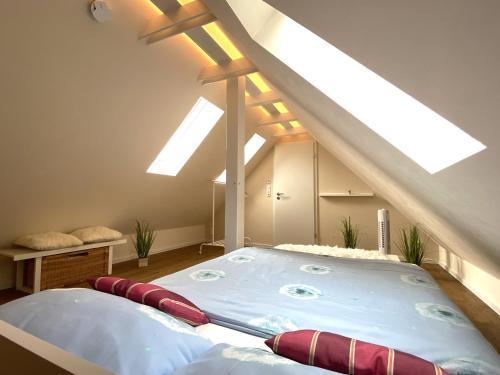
{"x": 84, "y": 109}
{"x": 333, "y": 176}
{"x": 258, "y": 207}
{"x": 445, "y": 54}
{"x": 482, "y": 284}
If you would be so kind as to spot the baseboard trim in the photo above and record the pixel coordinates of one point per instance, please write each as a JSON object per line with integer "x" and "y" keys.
{"x": 473, "y": 289}
{"x": 161, "y": 250}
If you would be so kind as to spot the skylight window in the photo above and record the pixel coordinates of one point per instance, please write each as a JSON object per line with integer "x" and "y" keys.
{"x": 417, "y": 131}
{"x": 186, "y": 139}
{"x": 252, "y": 146}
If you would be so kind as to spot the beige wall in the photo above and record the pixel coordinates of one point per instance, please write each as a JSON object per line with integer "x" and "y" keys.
{"x": 166, "y": 239}
{"x": 84, "y": 109}
{"x": 333, "y": 176}
{"x": 258, "y": 207}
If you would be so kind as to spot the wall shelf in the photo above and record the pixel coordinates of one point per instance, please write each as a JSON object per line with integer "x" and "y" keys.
{"x": 346, "y": 194}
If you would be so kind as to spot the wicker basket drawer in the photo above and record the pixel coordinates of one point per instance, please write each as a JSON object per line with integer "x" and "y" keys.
{"x": 68, "y": 269}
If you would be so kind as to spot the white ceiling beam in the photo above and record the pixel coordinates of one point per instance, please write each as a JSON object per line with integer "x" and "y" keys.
{"x": 263, "y": 99}
{"x": 274, "y": 119}
{"x": 232, "y": 69}
{"x": 181, "y": 28}
{"x": 293, "y": 131}
{"x": 185, "y": 18}
{"x": 267, "y": 126}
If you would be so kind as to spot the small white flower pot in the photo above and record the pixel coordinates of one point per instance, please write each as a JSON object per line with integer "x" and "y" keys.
{"x": 143, "y": 262}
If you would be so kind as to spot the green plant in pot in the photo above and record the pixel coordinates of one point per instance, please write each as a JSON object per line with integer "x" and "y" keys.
{"x": 144, "y": 238}
{"x": 412, "y": 247}
{"x": 349, "y": 233}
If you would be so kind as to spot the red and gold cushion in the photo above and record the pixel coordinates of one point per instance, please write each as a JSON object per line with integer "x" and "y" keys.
{"x": 152, "y": 295}
{"x": 348, "y": 356}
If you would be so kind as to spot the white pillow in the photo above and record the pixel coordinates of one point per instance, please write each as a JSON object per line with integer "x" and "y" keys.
{"x": 96, "y": 234}
{"x": 48, "y": 241}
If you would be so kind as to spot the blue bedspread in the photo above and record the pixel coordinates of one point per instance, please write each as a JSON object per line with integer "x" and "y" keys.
{"x": 265, "y": 292}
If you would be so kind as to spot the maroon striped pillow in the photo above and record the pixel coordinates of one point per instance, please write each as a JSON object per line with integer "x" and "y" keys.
{"x": 151, "y": 295}
{"x": 348, "y": 356}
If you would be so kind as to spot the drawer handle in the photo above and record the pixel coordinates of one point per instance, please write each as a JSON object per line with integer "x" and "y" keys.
{"x": 79, "y": 254}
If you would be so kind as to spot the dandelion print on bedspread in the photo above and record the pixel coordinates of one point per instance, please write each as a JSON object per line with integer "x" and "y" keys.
{"x": 418, "y": 280}
{"x": 207, "y": 275}
{"x": 315, "y": 269}
{"x": 443, "y": 313}
{"x": 300, "y": 291}
{"x": 241, "y": 258}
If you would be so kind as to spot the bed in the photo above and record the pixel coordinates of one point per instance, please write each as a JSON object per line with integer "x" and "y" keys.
{"x": 251, "y": 294}
{"x": 128, "y": 338}
{"x": 267, "y": 291}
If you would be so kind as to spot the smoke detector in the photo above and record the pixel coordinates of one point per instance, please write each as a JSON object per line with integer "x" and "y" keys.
{"x": 101, "y": 11}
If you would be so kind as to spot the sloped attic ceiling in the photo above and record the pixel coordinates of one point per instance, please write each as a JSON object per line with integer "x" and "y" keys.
{"x": 446, "y": 56}
{"x": 84, "y": 110}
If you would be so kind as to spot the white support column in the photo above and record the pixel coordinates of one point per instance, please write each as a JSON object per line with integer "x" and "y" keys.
{"x": 235, "y": 164}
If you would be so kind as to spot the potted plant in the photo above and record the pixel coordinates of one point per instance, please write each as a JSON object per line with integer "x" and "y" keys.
{"x": 349, "y": 233}
{"x": 144, "y": 238}
{"x": 412, "y": 247}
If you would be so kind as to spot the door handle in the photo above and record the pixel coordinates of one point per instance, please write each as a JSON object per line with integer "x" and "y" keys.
{"x": 279, "y": 195}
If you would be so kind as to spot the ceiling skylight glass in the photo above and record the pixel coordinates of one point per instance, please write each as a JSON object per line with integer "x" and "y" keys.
{"x": 252, "y": 146}
{"x": 186, "y": 139}
{"x": 417, "y": 131}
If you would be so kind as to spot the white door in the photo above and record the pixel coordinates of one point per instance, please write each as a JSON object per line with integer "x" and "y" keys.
{"x": 293, "y": 193}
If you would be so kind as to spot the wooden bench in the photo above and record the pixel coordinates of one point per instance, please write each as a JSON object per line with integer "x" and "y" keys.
{"x": 60, "y": 267}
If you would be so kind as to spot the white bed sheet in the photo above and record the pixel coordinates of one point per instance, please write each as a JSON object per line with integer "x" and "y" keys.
{"x": 223, "y": 335}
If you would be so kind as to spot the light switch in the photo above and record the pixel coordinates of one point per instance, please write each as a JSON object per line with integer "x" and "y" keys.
{"x": 268, "y": 189}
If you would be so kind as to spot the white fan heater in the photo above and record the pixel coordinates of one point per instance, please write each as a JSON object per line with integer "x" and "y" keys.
{"x": 384, "y": 232}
